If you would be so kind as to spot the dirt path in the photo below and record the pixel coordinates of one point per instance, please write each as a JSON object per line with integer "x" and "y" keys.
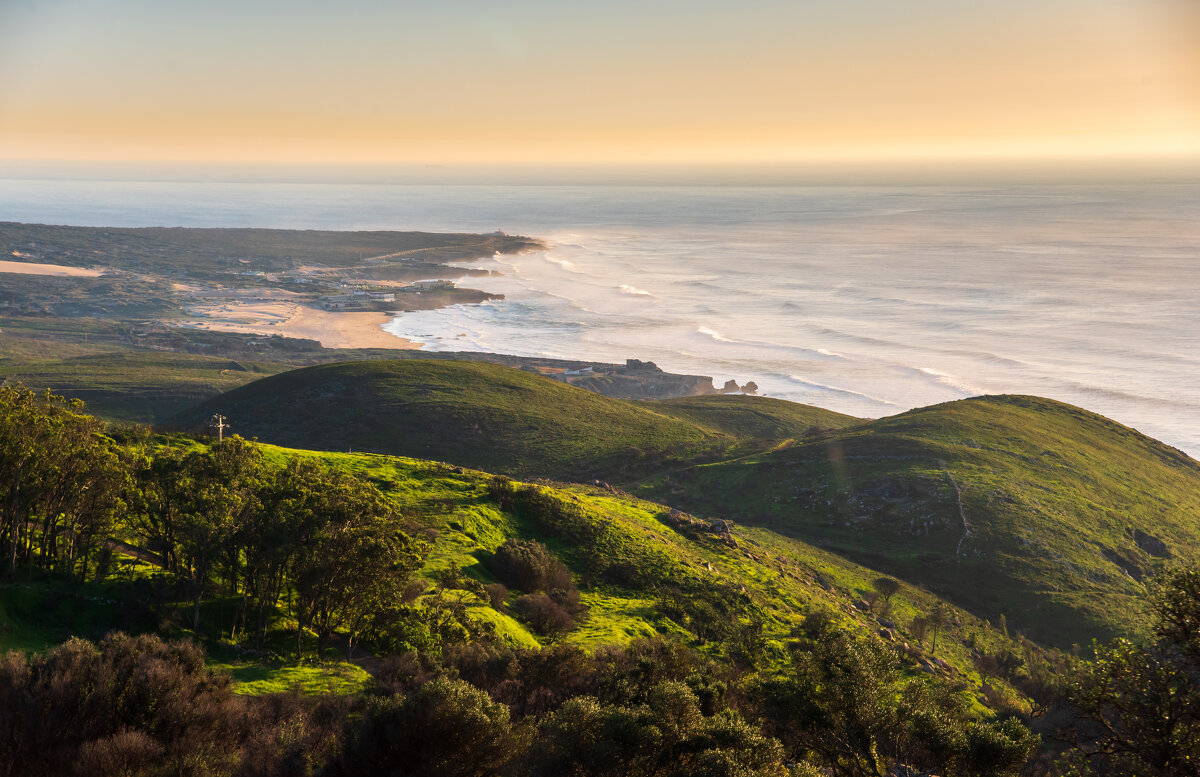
{"x": 962, "y": 514}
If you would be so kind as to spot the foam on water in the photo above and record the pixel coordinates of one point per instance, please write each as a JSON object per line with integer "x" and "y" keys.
{"x": 864, "y": 300}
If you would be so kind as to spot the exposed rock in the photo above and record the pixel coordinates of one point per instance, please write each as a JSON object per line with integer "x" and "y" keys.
{"x": 1127, "y": 564}
{"x": 1151, "y": 544}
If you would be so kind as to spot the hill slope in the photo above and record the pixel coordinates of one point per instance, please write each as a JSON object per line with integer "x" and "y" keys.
{"x": 753, "y": 417}
{"x": 1043, "y": 512}
{"x": 644, "y": 570}
{"x": 491, "y": 417}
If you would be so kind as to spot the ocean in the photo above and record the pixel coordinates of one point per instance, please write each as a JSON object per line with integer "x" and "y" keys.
{"x": 866, "y": 300}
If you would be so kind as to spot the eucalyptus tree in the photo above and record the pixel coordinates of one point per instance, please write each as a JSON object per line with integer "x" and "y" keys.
{"x": 351, "y": 556}
{"x": 61, "y": 482}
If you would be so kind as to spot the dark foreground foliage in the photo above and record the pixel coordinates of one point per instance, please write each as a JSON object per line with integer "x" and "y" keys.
{"x": 333, "y": 554}
{"x": 838, "y": 706}
{"x": 142, "y": 706}
{"x": 1138, "y": 704}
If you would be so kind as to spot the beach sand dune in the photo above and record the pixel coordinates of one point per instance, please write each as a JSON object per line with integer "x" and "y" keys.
{"x": 62, "y": 271}
{"x": 293, "y": 319}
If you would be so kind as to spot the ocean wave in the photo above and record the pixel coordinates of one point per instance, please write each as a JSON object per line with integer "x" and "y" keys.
{"x": 777, "y": 348}
{"x": 566, "y": 264}
{"x": 864, "y": 339}
{"x": 634, "y": 291}
{"x": 1117, "y": 395}
{"x": 714, "y": 334}
{"x": 840, "y": 390}
{"x": 946, "y": 379}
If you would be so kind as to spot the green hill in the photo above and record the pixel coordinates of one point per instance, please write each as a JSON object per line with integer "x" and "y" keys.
{"x": 642, "y": 570}
{"x": 645, "y": 570}
{"x": 753, "y": 417}
{"x": 1044, "y": 513}
{"x": 1026, "y": 507}
{"x": 497, "y": 419}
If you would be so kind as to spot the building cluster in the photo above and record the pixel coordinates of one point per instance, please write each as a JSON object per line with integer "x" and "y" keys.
{"x": 356, "y": 299}
{"x": 419, "y": 286}
{"x": 362, "y": 299}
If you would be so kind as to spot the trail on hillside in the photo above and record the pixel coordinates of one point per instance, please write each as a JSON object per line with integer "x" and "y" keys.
{"x": 962, "y": 514}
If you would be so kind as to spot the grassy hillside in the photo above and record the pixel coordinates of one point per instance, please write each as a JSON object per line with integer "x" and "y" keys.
{"x": 1030, "y": 508}
{"x": 642, "y": 573}
{"x": 758, "y": 417}
{"x": 1044, "y": 513}
{"x": 642, "y": 569}
{"x": 493, "y": 418}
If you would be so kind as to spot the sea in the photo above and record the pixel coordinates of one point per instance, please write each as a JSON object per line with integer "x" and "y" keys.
{"x": 868, "y": 300}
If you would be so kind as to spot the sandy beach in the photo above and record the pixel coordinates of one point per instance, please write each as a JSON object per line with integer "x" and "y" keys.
{"x": 62, "y": 271}
{"x": 289, "y": 318}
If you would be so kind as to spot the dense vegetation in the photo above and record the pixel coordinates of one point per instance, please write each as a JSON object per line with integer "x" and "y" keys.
{"x": 513, "y": 627}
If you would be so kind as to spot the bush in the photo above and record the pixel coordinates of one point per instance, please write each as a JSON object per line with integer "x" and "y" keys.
{"x": 530, "y": 566}
{"x": 446, "y": 728}
{"x": 142, "y": 706}
{"x": 543, "y": 614}
{"x": 497, "y": 594}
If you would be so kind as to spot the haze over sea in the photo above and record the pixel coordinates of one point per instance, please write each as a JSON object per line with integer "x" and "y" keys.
{"x": 867, "y": 300}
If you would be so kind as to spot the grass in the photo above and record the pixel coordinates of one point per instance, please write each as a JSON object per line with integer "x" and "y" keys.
{"x": 638, "y": 575}
{"x": 1043, "y": 512}
{"x": 93, "y": 360}
{"x": 686, "y": 584}
{"x": 755, "y": 417}
{"x": 256, "y": 679}
{"x": 1006, "y": 506}
{"x": 499, "y": 419}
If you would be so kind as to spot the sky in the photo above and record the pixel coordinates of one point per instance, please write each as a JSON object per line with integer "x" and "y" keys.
{"x": 462, "y": 82}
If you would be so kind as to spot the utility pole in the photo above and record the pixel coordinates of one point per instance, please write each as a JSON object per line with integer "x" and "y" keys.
{"x": 218, "y": 421}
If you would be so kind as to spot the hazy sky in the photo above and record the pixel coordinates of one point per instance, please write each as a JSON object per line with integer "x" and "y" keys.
{"x": 547, "y": 81}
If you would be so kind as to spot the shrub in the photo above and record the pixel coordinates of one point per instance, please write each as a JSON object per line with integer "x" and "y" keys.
{"x": 497, "y": 594}
{"x": 445, "y": 728}
{"x": 543, "y": 614}
{"x": 530, "y": 566}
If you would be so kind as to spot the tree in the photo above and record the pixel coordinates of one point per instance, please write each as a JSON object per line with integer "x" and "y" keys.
{"x": 886, "y": 586}
{"x": 1138, "y": 703}
{"x": 61, "y": 482}
{"x": 939, "y": 616}
{"x": 158, "y": 502}
{"x": 350, "y": 559}
{"x": 219, "y": 496}
{"x": 920, "y": 629}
